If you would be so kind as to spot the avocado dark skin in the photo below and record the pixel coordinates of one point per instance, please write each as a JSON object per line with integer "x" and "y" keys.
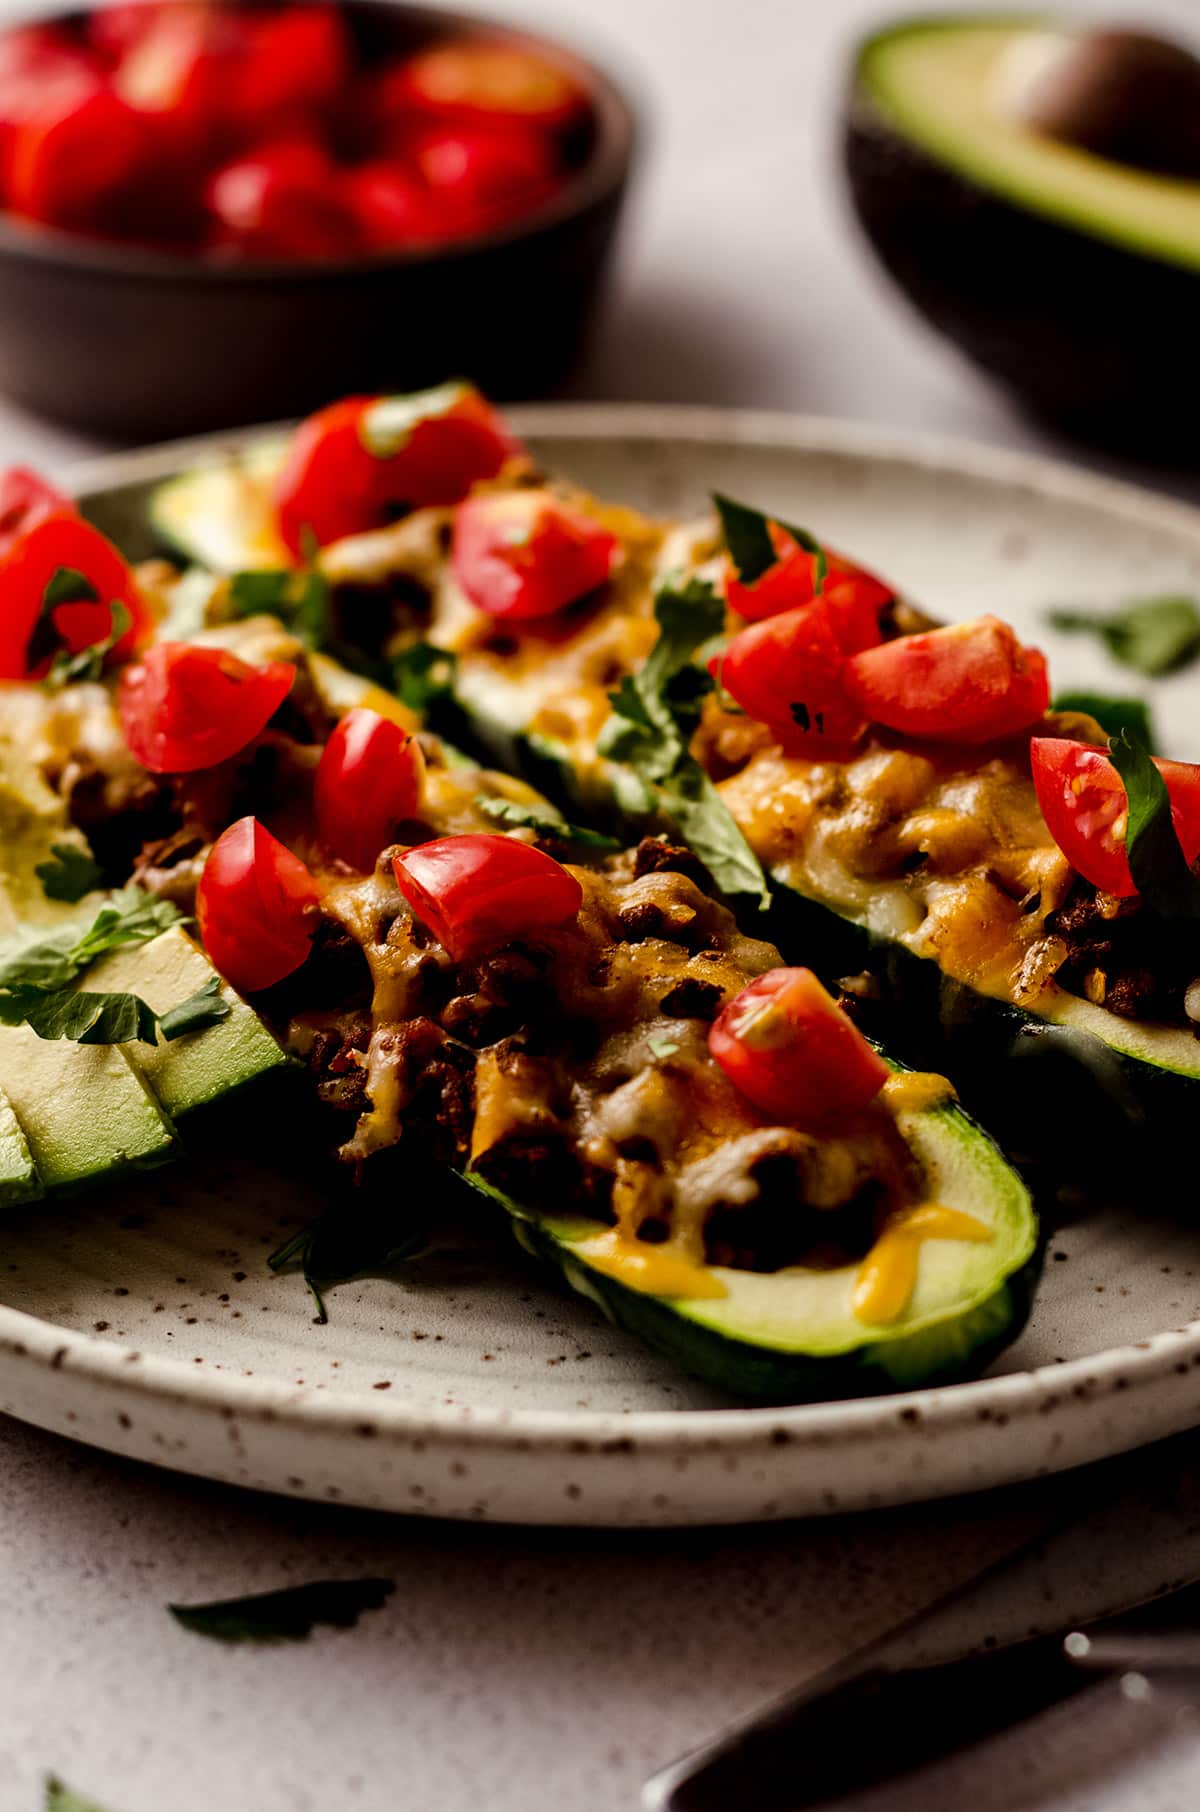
{"x": 1096, "y": 339}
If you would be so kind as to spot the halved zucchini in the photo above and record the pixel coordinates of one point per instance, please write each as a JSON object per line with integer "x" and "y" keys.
{"x": 792, "y": 1335}
{"x": 220, "y": 515}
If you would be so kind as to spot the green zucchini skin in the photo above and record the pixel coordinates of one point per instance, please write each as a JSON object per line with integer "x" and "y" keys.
{"x": 954, "y": 1350}
{"x": 1056, "y": 1094}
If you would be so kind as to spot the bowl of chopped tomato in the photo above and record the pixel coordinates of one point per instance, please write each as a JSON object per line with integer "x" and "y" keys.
{"x": 218, "y": 213}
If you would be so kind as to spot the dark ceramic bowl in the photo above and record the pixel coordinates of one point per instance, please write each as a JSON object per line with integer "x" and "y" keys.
{"x": 136, "y": 343}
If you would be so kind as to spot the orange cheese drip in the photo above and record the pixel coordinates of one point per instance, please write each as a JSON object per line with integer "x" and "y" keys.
{"x": 916, "y": 1092}
{"x": 654, "y": 1270}
{"x": 887, "y": 1276}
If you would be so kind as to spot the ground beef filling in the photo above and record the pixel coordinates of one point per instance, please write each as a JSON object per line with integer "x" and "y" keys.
{"x": 571, "y": 1072}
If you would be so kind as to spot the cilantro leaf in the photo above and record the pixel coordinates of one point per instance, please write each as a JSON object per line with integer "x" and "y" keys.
{"x": 346, "y": 1242}
{"x": 64, "y": 586}
{"x": 88, "y": 663}
{"x": 748, "y": 538}
{"x": 87, "y": 1018}
{"x": 1114, "y": 715}
{"x": 1152, "y": 635}
{"x": 386, "y": 428}
{"x": 204, "y": 1008}
{"x": 541, "y": 818}
{"x": 61, "y": 1798}
{"x": 1157, "y": 863}
{"x": 69, "y": 873}
{"x": 662, "y": 1047}
{"x": 654, "y": 713}
{"x": 300, "y": 599}
{"x": 288, "y": 1615}
{"x": 422, "y": 674}
{"x": 261, "y": 589}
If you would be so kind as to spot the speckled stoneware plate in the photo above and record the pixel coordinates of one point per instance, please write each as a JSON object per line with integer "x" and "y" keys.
{"x": 145, "y": 1320}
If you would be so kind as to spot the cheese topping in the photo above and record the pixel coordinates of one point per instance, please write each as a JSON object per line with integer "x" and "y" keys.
{"x": 887, "y": 1276}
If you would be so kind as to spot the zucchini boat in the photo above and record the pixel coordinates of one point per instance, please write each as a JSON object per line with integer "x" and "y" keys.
{"x": 474, "y": 983}
{"x": 927, "y": 862}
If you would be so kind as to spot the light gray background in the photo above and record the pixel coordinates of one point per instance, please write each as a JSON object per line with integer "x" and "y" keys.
{"x": 517, "y": 1671}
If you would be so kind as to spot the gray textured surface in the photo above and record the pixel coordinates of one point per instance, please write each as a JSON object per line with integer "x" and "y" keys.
{"x": 532, "y": 1670}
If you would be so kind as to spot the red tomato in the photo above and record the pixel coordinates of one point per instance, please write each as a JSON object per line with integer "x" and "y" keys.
{"x": 281, "y": 201}
{"x": 114, "y": 29}
{"x": 481, "y": 176}
{"x": 256, "y": 907}
{"x": 792, "y": 582}
{"x": 298, "y": 57}
{"x": 474, "y": 79}
{"x": 185, "y": 707}
{"x": 790, "y": 1049}
{"x": 178, "y": 74}
{"x": 972, "y": 682}
{"x": 25, "y": 499}
{"x": 787, "y": 672}
{"x": 41, "y": 68}
{"x": 74, "y": 156}
{"x": 476, "y": 891}
{"x": 354, "y": 465}
{"x": 57, "y": 541}
{"x": 369, "y": 780}
{"x": 390, "y": 206}
{"x": 522, "y": 554}
{"x": 1083, "y": 802}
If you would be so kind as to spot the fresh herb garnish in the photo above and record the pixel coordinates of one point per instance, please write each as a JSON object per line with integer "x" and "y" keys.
{"x": 654, "y": 713}
{"x": 288, "y": 1615}
{"x": 300, "y": 598}
{"x": 422, "y": 674}
{"x": 82, "y": 1017}
{"x": 65, "y": 586}
{"x": 68, "y": 873}
{"x": 130, "y": 917}
{"x": 753, "y": 552}
{"x": 386, "y": 428}
{"x": 662, "y": 1047}
{"x": 204, "y": 1008}
{"x": 541, "y": 819}
{"x": 1156, "y": 861}
{"x": 61, "y": 1798}
{"x": 347, "y": 1242}
{"x": 1153, "y": 635}
{"x": 1114, "y": 715}
{"x": 88, "y": 663}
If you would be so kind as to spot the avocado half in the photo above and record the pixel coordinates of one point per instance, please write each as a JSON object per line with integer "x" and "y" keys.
{"x": 1073, "y": 279}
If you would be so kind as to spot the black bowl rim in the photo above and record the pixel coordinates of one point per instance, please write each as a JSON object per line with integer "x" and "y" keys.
{"x": 604, "y": 174}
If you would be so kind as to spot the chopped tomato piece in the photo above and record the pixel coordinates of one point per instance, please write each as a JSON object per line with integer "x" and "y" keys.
{"x": 972, "y": 682}
{"x": 480, "y": 176}
{"x": 791, "y": 1050}
{"x": 522, "y": 554}
{"x": 73, "y": 156}
{"x": 62, "y": 542}
{"x": 281, "y": 201}
{"x": 475, "y": 79}
{"x": 358, "y": 463}
{"x": 1083, "y": 801}
{"x": 177, "y": 75}
{"x": 792, "y": 581}
{"x": 256, "y": 907}
{"x": 787, "y": 672}
{"x": 476, "y": 891}
{"x": 390, "y": 206}
{"x": 296, "y": 58}
{"x": 185, "y": 707}
{"x": 369, "y": 780}
{"x": 25, "y": 498}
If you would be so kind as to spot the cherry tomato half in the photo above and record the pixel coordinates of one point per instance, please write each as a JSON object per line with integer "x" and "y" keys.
{"x": 1083, "y": 801}
{"x": 296, "y": 58}
{"x": 792, "y": 582}
{"x": 281, "y": 201}
{"x": 476, "y": 891}
{"x": 790, "y": 1049}
{"x": 971, "y": 682}
{"x": 369, "y": 780}
{"x": 474, "y": 79}
{"x": 256, "y": 907}
{"x": 74, "y": 156}
{"x": 57, "y": 542}
{"x": 354, "y": 465}
{"x": 787, "y": 672}
{"x": 480, "y": 176}
{"x": 522, "y": 554}
{"x": 390, "y": 206}
{"x": 25, "y": 499}
{"x": 185, "y": 707}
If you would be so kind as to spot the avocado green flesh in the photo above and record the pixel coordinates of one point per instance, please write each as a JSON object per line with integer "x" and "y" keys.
{"x": 202, "y": 1066}
{"x": 19, "y": 1180}
{"x": 85, "y": 1110}
{"x": 792, "y": 1334}
{"x": 934, "y": 83}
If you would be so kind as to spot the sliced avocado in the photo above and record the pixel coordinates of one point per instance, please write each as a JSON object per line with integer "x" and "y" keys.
{"x": 220, "y": 516}
{"x": 202, "y": 1066}
{"x": 790, "y": 1335}
{"x": 85, "y": 1109}
{"x": 1070, "y": 276}
{"x": 19, "y": 1180}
